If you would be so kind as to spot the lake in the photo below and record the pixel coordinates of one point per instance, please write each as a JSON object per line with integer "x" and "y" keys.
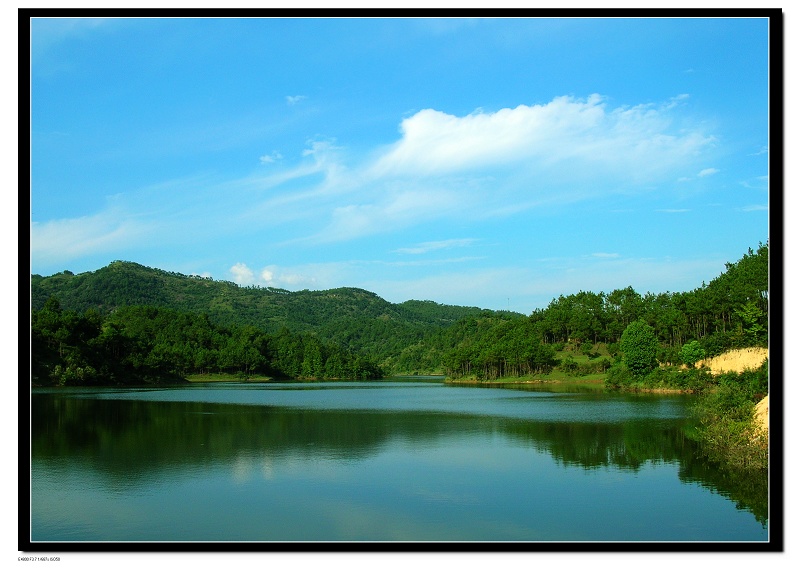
{"x": 397, "y": 460}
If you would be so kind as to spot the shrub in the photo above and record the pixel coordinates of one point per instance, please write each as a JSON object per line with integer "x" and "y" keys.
{"x": 618, "y": 376}
{"x": 735, "y": 444}
{"x": 593, "y": 367}
{"x": 695, "y": 380}
{"x": 569, "y": 364}
{"x": 692, "y": 352}
{"x": 639, "y": 347}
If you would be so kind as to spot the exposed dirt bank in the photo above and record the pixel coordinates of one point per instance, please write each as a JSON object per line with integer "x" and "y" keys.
{"x": 761, "y": 415}
{"x": 737, "y": 360}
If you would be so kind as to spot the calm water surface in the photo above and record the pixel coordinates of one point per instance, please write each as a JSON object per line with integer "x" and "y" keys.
{"x": 390, "y": 460}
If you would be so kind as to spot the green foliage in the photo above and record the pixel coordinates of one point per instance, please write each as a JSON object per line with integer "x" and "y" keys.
{"x": 734, "y": 306}
{"x": 661, "y": 378}
{"x": 751, "y": 317}
{"x": 496, "y": 347}
{"x": 673, "y": 378}
{"x": 734, "y": 444}
{"x": 353, "y": 319}
{"x": 147, "y": 344}
{"x": 749, "y": 385}
{"x": 692, "y": 352}
{"x": 414, "y": 336}
{"x": 593, "y": 366}
{"x": 726, "y": 430}
{"x": 618, "y": 376}
{"x": 639, "y": 348}
{"x": 718, "y": 343}
{"x": 569, "y": 364}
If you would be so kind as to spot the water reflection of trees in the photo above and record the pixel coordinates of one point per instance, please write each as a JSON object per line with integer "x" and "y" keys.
{"x": 747, "y": 490}
{"x": 130, "y": 440}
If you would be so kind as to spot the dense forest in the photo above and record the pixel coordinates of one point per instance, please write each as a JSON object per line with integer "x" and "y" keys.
{"x": 352, "y": 319}
{"x": 136, "y": 344}
{"x": 127, "y": 322}
{"x": 730, "y": 311}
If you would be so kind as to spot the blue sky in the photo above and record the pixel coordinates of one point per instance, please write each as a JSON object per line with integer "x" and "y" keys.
{"x": 484, "y": 162}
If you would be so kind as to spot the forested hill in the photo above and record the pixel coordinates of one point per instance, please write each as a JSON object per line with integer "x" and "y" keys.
{"x": 349, "y": 317}
{"x": 355, "y": 330}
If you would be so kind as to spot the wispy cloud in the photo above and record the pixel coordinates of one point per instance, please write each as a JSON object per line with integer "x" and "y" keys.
{"x": 423, "y": 248}
{"x": 294, "y": 99}
{"x": 524, "y": 288}
{"x": 48, "y": 32}
{"x": 388, "y": 211}
{"x": 760, "y": 182}
{"x": 673, "y": 210}
{"x": 62, "y": 240}
{"x": 505, "y": 162}
{"x": 675, "y": 101}
{"x": 701, "y": 174}
{"x": 605, "y": 255}
{"x": 433, "y": 261}
{"x": 270, "y": 158}
{"x": 475, "y": 167}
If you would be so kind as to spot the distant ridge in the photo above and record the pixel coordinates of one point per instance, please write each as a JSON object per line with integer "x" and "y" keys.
{"x": 351, "y": 317}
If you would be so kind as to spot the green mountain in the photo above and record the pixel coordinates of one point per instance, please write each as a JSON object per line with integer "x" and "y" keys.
{"x": 350, "y": 332}
{"x": 352, "y": 318}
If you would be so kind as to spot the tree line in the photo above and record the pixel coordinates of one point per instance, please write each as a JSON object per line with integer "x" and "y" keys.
{"x": 220, "y": 327}
{"x": 353, "y": 319}
{"x": 729, "y": 312}
{"x": 149, "y": 344}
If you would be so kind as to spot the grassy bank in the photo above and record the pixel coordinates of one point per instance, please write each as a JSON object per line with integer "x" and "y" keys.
{"x": 726, "y": 426}
{"x": 557, "y": 376}
{"x": 227, "y": 378}
{"x": 238, "y": 378}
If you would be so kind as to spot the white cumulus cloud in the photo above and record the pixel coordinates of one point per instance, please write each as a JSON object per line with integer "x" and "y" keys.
{"x": 306, "y": 276}
{"x": 494, "y": 164}
{"x": 242, "y": 275}
{"x": 570, "y": 132}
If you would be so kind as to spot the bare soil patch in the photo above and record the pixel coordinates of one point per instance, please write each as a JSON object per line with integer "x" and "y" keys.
{"x": 737, "y": 360}
{"x": 761, "y": 415}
